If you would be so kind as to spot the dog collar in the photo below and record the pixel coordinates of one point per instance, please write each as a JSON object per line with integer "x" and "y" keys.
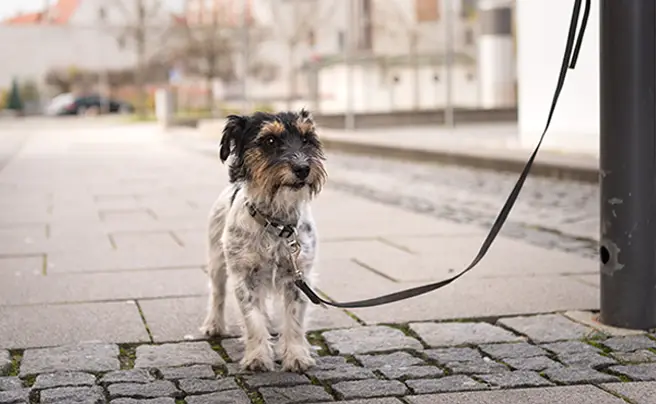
{"x": 272, "y": 226}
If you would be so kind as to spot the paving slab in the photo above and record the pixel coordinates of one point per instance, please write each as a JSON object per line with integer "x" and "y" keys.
{"x": 638, "y": 372}
{"x": 430, "y": 258}
{"x": 369, "y": 339}
{"x": 76, "y": 288}
{"x": 637, "y": 392}
{"x": 5, "y": 362}
{"x": 205, "y": 386}
{"x": 187, "y": 372}
{"x": 450, "y": 334}
{"x": 370, "y": 388}
{"x": 296, "y": 394}
{"x": 84, "y": 357}
{"x": 516, "y": 379}
{"x": 25, "y": 265}
{"x": 548, "y": 327}
{"x": 21, "y": 396}
{"x": 467, "y": 298}
{"x": 122, "y": 260}
{"x": 10, "y": 383}
{"x": 543, "y": 395}
{"x": 181, "y": 354}
{"x": 591, "y": 319}
{"x": 87, "y": 395}
{"x": 445, "y": 384}
{"x": 23, "y": 326}
{"x": 63, "y": 379}
{"x": 127, "y": 376}
{"x": 158, "y": 388}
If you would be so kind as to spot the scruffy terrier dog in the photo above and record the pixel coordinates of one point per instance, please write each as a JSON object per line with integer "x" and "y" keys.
{"x": 257, "y": 224}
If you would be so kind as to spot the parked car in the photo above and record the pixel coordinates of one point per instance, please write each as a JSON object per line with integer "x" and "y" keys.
{"x": 69, "y": 104}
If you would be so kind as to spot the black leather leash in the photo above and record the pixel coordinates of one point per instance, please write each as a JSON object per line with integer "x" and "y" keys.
{"x": 569, "y": 61}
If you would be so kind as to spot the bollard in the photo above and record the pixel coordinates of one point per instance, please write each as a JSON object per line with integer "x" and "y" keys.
{"x": 628, "y": 163}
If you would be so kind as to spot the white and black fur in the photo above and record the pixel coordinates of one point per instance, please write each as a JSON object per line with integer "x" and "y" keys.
{"x": 277, "y": 167}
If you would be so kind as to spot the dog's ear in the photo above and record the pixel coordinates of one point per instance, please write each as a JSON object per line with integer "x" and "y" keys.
{"x": 306, "y": 116}
{"x": 233, "y": 134}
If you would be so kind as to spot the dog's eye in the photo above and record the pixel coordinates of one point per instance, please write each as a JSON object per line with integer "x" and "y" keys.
{"x": 304, "y": 139}
{"x": 270, "y": 141}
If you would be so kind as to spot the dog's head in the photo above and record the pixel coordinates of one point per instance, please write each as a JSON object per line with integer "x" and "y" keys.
{"x": 275, "y": 153}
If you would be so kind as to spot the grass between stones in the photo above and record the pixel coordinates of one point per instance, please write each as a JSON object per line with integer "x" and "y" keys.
{"x": 407, "y": 331}
{"x": 29, "y": 380}
{"x": 215, "y": 343}
{"x": 621, "y": 397}
{"x": 44, "y": 268}
{"x": 16, "y": 357}
{"x": 595, "y": 343}
{"x": 623, "y": 378}
{"x": 315, "y": 338}
{"x": 326, "y": 386}
{"x": 143, "y": 319}
{"x": 253, "y": 394}
{"x": 127, "y": 353}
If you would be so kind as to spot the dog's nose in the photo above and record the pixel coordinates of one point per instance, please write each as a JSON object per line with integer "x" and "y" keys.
{"x": 301, "y": 170}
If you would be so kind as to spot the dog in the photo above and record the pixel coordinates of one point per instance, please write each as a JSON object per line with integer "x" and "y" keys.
{"x": 262, "y": 233}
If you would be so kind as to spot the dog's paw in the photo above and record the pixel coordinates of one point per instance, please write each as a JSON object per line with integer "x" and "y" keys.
{"x": 257, "y": 364}
{"x": 297, "y": 362}
{"x": 213, "y": 328}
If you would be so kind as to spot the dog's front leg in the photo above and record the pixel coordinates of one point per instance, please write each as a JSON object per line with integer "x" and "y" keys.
{"x": 258, "y": 353}
{"x": 294, "y": 347}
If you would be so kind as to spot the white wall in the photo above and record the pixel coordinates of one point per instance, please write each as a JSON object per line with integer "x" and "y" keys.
{"x": 542, "y": 27}
{"x": 28, "y": 52}
{"x": 375, "y": 91}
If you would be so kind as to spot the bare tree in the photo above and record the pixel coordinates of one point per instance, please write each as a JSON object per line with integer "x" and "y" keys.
{"x": 209, "y": 48}
{"x": 298, "y": 21}
{"x": 145, "y": 25}
{"x": 396, "y": 21}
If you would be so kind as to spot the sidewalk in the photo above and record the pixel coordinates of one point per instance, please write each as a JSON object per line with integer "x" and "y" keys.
{"x": 102, "y": 237}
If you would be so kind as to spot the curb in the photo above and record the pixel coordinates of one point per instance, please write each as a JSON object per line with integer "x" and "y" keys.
{"x": 545, "y": 165}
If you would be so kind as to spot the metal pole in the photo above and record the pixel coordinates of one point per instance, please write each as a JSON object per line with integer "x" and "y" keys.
{"x": 448, "y": 50}
{"x": 349, "y": 118}
{"x": 628, "y": 163}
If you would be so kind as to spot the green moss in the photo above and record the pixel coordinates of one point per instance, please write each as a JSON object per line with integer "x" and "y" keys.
{"x": 218, "y": 348}
{"x": 29, "y": 380}
{"x": 16, "y": 357}
{"x": 595, "y": 343}
{"x": 127, "y": 355}
{"x": 253, "y": 395}
{"x": 315, "y": 338}
{"x": 405, "y": 329}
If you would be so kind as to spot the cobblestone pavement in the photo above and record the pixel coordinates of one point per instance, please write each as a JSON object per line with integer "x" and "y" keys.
{"x": 560, "y": 214}
{"x": 537, "y": 357}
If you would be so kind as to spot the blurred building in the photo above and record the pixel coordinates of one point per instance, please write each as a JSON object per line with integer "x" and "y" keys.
{"x": 74, "y": 34}
{"x": 381, "y": 55}
{"x": 542, "y": 28}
